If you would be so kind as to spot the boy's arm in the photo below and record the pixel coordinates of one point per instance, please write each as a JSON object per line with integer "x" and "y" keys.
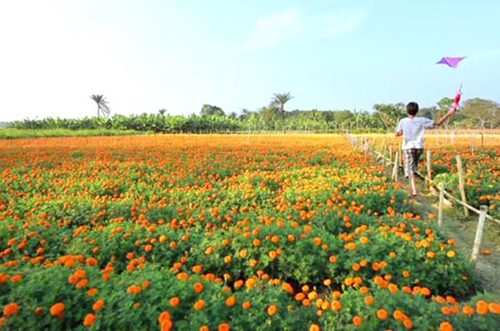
{"x": 399, "y": 130}
{"x": 449, "y": 114}
{"x": 452, "y": 111}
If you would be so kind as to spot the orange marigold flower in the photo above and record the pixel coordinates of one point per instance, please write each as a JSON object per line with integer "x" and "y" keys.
{"x": 468, "y": 310}
{"x": 175, "y": 301}
{"x": 89, "y": 320}
{"x": 199, "y": 305}
{"x": 446, "y": 310}
{"x": 134, "y": 289}
{"x": 247, "y": 305}
{"x": 336, "y": 305}
{"x": 393, "y": 288}
{"x": 494, "y": 308}
{"x": 182, "y": 276}
{"x": 357, "y": 321}
{"x": 91, "y": 262}
{"x": 80, "y": 273}
{"x": 167, "y": 325}
{"x": 272, "y": 309}
{"x": 369, "y": 300}
{"x": 204, "y": 328}
{"x": 445, "y": 326}
{"x": 11, "y": 309}
{"x": 198, "y": 287}
{"x": 382, "y": 314}
{"x": 224, "y": 327}
{"x": 482, "y": 307}
{"x": 425, "y": 291}
{"x": 314, "y": 327}
{"x": 39, "y": 311}
{"x": 3, "y": 321}
{"x": 98, "y": 305}
{"x": 231, "y": 301}
{"x": 398, "y": 315}
{"x": 82, "y": 283}
{"x": 364, "y": 290}
{"x": 57, "y": 309}
{"x": 92, "y": 292}
{"x": 408, "y": 323}
{"x": 165, "y": 316}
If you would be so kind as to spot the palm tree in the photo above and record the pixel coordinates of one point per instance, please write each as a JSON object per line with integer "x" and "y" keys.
{"x": 102, "y": 104}
{"x": 279, "y": 100}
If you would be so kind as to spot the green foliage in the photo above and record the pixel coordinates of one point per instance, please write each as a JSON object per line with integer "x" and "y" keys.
{"x": 209, "y": 110}
{"x": 476, "y": 113}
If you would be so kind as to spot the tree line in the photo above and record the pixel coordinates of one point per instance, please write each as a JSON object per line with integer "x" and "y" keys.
{"x": 475, "y": 113}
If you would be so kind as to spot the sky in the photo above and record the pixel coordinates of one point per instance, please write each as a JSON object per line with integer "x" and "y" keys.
{"x": 180, "y": 54}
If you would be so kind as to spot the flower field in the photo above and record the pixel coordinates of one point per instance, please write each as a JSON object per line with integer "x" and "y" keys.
{"x": 224, "y": 232}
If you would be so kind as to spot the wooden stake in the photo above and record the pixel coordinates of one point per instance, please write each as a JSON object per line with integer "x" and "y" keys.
{"x": 395, "y": 170}
{"x": 461, "y": 184}
{"x": 429, "y": 166}
{"x": 441, "y": 203}
{"x": 479, "y": 233}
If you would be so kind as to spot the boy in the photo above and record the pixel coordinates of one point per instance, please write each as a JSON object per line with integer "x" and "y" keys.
{"x": 412, "y": 128}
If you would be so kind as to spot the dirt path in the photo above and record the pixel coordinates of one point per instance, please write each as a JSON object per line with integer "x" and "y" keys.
{"x": 463, "y": 230}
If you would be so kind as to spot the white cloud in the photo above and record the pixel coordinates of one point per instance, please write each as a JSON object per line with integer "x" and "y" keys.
{"x": 273, "y": 29}
{"x": 293, "y": 24}
{"x": 336, "y": 24}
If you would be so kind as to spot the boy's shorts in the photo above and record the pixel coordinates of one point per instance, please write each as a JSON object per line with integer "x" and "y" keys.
{"x": 411, "y": 158}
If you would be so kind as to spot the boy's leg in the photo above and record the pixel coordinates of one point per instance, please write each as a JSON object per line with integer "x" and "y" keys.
{"x": 417, "y": 153}
{"x": 407, "y": 162}
{"x": 410, "y": 168}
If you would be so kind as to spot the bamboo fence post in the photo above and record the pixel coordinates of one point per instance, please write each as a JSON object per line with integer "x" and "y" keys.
{"x": 390, "y": 154}
{"x": 429, "y": 166}
{"x": 396, "y": 168}
{"x": 479, "y": 233}
{"x": 441, "y": 204}
{"x": 461, "y": 183}
{"x": 471, "y": 143}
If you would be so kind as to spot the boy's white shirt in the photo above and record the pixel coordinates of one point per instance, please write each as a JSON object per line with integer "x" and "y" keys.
{"x": 413, "y": 130}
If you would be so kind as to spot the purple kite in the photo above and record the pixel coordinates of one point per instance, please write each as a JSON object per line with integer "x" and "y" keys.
{"x": 451, "y": 61}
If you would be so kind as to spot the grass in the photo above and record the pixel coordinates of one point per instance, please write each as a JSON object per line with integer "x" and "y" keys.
{"x": 463, "y": 230}
{"x": 18, "y": 133}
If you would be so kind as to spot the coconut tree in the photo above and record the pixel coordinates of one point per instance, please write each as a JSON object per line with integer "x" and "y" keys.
{"x": 279, "y": 100}
{"x": 102, "y": 104}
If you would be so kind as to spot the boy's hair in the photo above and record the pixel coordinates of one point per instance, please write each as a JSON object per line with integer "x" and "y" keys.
{"x": 412, "y": 108}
